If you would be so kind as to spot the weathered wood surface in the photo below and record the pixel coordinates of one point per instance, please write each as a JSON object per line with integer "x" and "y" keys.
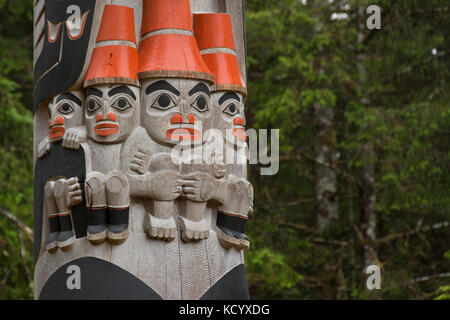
{"x": 174, "y": 269}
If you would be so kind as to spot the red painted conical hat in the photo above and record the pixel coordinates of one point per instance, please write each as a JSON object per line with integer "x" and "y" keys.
{"x": 214, "y": 34}
{"x": 115, "y": 57}
{"x": 168, "y": 47}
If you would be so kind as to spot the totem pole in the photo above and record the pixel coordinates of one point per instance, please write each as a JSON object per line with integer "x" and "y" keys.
{"x": 121, "y": 87}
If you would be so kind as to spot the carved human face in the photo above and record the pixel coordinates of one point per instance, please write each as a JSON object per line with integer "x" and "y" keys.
{"x": 111, "y": 112}
{"x": 65, "y": 111}
{"x": 229, "y": 116}
{"x": 170, "y": 107}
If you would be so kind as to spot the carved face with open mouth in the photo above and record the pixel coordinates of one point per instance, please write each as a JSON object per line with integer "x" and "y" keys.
{"x": 65, "y": 111}
{"x": 111, "y": 112}
{"x": 229, "y": 116}
{"x": 173, "y": 109}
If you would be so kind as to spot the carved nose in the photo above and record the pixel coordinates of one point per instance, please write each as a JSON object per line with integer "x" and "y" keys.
{"x": 191, "y": 118}
{"x": 184, "y": 107}
{"x": 111, "y": 116}
{"x": 59, "y": 121}
{"x": 176, "y": 118}
{"x": 238, "y": 121}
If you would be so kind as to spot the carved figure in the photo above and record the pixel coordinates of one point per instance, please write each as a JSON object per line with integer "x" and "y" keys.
{"x": 108, "y": 166}
{"x": 112, "y": 110}
{"x": 214, "y": 35}
{"x": 176, "y": 86}
{"x": 60, "y": 194}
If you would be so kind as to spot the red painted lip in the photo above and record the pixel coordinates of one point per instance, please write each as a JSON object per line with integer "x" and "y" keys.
{"x": 183, "y": 134}
{"x": 56, "y": 132}
{"x": 106, "y": 129}
{"x": 239, "y": 133}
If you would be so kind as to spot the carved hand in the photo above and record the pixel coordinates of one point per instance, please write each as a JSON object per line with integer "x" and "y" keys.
{"x": 44, "y": 147}
{"x": 164, "y": 185}
{"x": 74, "y": 194}
{"x": 73, "y": 137}
{"x": 141, "y": 161}
{"x": 246, "y": 202}
{"x": 239, "y": 196}
{"x": 67, "y": 193}
{"x": 199, "y": 186}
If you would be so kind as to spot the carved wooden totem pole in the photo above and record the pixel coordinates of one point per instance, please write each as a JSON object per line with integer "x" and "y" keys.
{"x": 122, "y": 90}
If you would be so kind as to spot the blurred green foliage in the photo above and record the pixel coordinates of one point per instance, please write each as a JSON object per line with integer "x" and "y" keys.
{"x": 16, "y": 147}
{"x": 297, "y": 57}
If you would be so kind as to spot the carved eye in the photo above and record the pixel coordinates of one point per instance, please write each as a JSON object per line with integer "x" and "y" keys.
{"x": 75, "y": 29}
{"x": 65, "y": 108}
{"x": 163, "y": 102}
{"x": 231, "y": 109}
{"x": 92, "y": 105}
{"x": 121, "y": 104}
{"x": 200, "y": 104}
{"x": 53, "y": 31}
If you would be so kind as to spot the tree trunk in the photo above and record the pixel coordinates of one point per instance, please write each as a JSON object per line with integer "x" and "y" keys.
{"x": 325, "y": 158}
{"x": 367, "y": 173}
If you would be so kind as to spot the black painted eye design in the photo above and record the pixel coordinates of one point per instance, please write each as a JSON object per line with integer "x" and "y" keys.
{"x": 231, "y": 109}
{"x": 163, "y": 102}
{"x": 92, "y": 105}
{"x": 65, "y": 108}
{"x": 121, "y": 104}
{"x": 200, "y": 104}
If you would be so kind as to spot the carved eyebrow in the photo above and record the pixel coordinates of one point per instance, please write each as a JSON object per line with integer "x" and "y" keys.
{"x": 227, "y": 96}
{"x": 69, "y": 96}
{"x": 94, "y": 92}
{"x": 122, "y": 89}
{"x": 161, "y": 85}
{"x": 200, "y": 87}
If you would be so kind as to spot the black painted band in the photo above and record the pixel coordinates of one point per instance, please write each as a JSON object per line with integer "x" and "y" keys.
{"x": 53, "y": 224}
{"x": 97, "y": 216}
{"x": 118, "y": 216}
{"x": 231, "y": 222}
{"x": 65, "y": 222}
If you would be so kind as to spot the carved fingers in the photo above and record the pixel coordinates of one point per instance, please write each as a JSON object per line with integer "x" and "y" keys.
{"x": 140, "y": 161}
{"x": 44, "y": 147}
{"x": 71, "y": 139}
{"x": 67, "y": 193}
{"x": 198, "y": 186}
{"x": 246, "y": 201}
{"x": 164, "y": 185}
{"x": 239, "y": 196}
{"x": 191, "y": 190}
{"x": 74, "y": 193}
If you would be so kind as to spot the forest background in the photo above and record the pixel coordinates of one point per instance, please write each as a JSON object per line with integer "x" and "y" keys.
{"x": 364, "y": 119}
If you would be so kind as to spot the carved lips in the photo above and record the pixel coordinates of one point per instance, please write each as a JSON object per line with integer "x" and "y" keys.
{"x": 239, "y": 129}
{"x": 108, "y": 126}
{"x": 180, "y": 130}
{"x": 57, "y": 129}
